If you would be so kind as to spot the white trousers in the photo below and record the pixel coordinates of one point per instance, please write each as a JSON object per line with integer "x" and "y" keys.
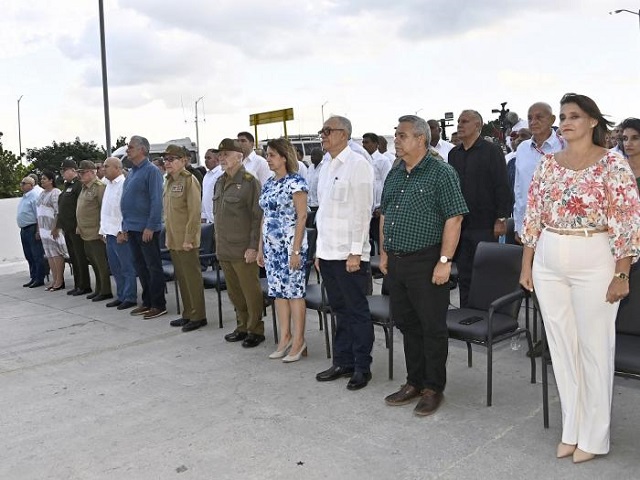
{"x": 571, "y": 275}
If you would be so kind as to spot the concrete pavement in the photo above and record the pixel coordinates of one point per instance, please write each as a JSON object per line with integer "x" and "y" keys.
{"x": 93, "y": 393}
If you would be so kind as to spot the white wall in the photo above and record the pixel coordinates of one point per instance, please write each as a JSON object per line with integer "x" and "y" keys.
{"x": 11, "y": 256}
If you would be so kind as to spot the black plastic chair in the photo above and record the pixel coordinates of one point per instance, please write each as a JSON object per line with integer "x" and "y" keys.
{"x": 212, "y": 278}
{"x": 495, "y": 297}
{"x": 380, "y": 308}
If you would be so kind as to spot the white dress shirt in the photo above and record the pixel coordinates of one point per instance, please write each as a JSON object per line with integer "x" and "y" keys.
{"x": 381, "y": 167}
{"x": 208, "y": 182}
{"x": 443, "y": 148}
{"x": 110, "y": 213}
{"x": 527, "y": 158}
{"x": 303, "y": 170}
{"x": 345, "y": 195}
{"x": 258, "y": 167}
{"x": 390, "y": 156}
{"x": 313, "y": 175}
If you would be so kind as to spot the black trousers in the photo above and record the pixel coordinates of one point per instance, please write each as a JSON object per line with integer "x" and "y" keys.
{"x": 469, "y": 240}
{"x": 346, "y": 293}
{"x": 419, "y": 309}
{"x": 79, "y": 262}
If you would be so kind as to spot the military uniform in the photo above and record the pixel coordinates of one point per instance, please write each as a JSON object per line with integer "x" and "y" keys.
{"x": 182, "y": 204}
{"x": 237, "y": 225}
{"x": 67, "y": 222}
{"x": 88, "y": 217}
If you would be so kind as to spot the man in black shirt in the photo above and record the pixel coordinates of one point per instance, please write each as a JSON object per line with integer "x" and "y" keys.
{"x": 483, "y": 177}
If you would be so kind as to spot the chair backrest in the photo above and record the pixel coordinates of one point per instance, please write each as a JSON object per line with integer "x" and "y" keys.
{"x": 206, "y": 238}
{"x": 496, "y": 272}
{"x": 628, "y": 319}
{"x": 312, "y": 235}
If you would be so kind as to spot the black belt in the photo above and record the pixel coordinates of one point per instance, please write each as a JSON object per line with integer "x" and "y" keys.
{"x": 415, "y": 252}
{"x": 29, "y": 226}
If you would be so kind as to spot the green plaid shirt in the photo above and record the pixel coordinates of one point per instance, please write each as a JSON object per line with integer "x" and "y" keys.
{"x": 416, "y": 205}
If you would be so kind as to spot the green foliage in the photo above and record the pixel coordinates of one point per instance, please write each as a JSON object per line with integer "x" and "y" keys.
{"x": 11, "y": 172}
{"x": 120, "y": 142}
{"x": 51, "y": 157}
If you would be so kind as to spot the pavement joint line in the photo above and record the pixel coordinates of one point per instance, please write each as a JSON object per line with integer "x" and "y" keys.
{"x": 92, "y": 353}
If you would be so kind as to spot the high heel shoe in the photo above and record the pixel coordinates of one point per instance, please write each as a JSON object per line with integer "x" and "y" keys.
{"x": 55, "y": 289}
{"x": 281, "y": 353}
{"x": 580, "y": 456}
{"x": 565, "y": 450}
{"x": 294, "y": 358}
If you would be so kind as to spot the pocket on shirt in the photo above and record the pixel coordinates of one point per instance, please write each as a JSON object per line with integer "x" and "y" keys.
{"x": 340, "y": 191}
{"x": 423, "y": 199}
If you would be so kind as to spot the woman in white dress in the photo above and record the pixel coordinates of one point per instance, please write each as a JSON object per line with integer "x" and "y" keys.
{"x": 55, "y": 250}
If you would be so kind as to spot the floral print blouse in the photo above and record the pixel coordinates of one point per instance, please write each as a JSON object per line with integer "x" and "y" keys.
{"x": 602, "y": 196}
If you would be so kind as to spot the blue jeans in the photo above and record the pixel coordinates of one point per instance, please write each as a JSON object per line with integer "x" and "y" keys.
{"x": 148, "y": 265}
{"x": 346, "y": 293}
{"x": 33, "y": 252}
{"x": 122, "y": 269}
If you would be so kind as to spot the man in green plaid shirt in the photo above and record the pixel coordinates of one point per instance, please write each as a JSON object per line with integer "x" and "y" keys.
{"x": 422, "y": 208}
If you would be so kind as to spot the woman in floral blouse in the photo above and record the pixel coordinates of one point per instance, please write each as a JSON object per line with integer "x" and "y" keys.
{"x": 581, "y": 234}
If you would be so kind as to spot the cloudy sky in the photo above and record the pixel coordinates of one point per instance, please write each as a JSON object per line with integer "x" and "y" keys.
{"x": 371, "y": 60}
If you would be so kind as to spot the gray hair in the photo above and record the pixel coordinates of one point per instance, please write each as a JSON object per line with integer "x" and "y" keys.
{"x": 420, "y": 126}
{"x": 141, "y": 141}
{"x": 344, "y": 123}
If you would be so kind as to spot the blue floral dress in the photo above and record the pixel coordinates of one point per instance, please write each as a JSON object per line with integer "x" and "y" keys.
{"x": 278, "y": 228}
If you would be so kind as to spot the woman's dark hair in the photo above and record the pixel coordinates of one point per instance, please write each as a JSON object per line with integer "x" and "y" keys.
{"x": 601, "y": 130}
{"x": 49, "y": 174}
{"x": 631, "y": 123}
{"x": 285, "y": 149}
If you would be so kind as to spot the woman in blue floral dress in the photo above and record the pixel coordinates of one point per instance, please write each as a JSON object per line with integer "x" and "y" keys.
{"x": 283, "y": 246}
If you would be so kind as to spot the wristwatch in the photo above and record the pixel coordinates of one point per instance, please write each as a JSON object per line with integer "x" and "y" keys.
{"x": 445, "y": 259}
{"x": 621, "y": 276}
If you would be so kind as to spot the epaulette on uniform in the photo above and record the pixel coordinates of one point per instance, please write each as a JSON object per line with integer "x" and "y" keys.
{"x": 247, "y": 176}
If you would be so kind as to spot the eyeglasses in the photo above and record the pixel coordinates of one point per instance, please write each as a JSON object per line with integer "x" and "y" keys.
{"x": 569, "y": 98}
{"x": 326, "y": 131}
{"x": 170, "y": 159}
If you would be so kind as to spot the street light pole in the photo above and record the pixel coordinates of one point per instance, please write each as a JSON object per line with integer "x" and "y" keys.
{"x": 105, "y": 87}
{"x": 19, "y": 132}
{"x": 628, "y": 11}
{"x": 322, "y": 108}
{"x": 197, "y": 132}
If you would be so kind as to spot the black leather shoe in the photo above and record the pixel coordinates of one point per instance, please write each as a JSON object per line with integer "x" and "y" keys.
{"x": 252, "y": 340}
{"x": 358, "y": 380}
{"x": 28, "y": 284}
{"x": 72, "y": 291}
{"x": 180, "y": 322}
{"x": 194, "y": 325}
{"x": 101, "y": 297}
{"x": 36, "y": 284}
{"x": 93, "y": 295}
{"x": 334, "y": 373}
{"x": 115, "y": 303}
{"x": 81, "y": 291}
{"x": 235, "y": 336}
{"x": 125, "y": 305}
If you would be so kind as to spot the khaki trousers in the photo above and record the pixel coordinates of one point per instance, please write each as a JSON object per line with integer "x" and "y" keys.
{"x": 96, "y": 252}
{"x": 186, "y": 266}
{"x": 571, "y": 275}
{"x": 245, "y": 293}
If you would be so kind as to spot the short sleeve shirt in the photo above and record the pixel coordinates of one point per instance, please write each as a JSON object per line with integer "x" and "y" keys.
{"x": 417, "y": 204}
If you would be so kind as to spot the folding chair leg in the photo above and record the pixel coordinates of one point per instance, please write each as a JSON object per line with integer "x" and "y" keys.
{"x": 177, "y": 297}
{"x": 323, "y": 319}
{"x": 219, "y": 306}
{"x": 489, "y": 373}
{"x": 390, "y": 346}
{"x": 275, "y": 323}
{"x": 531, "y": 357}
{"x": 469, "y": 362}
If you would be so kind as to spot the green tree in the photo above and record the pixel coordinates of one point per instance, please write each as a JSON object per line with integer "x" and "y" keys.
{"x": 51, "y": 156}
{"x": 120, "y": 142}
{"x": 11, "y": 172}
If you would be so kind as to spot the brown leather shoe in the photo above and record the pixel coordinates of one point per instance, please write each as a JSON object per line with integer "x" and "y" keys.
{"x": 403, "y": 396}
{"x": 429, "y": 402}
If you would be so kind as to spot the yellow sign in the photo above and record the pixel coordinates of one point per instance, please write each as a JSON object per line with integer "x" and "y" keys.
{"x": 271, "y": 117}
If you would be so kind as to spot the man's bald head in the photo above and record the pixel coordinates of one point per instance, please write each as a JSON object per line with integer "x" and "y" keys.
{"x": 112, "y": 168}
{"x": 541, "y": 119}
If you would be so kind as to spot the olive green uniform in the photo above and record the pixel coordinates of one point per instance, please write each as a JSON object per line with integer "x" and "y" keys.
{"x": 88, "y": 216}
{"x": 182, "y": 204}
{"x": 67, "y": 222}
{"x": 237, "y": 225}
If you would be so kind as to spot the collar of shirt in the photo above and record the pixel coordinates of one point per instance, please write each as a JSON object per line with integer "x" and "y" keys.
{"x": 91, "y": 183}
{"x": 552, "y": 142}
{"x": 118, "y": 179}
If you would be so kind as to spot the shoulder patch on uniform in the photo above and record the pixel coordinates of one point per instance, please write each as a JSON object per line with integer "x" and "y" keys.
{"x": 248, "y": 176}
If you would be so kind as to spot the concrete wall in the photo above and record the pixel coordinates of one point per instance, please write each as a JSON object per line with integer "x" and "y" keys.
{"x": 11, "y": 256}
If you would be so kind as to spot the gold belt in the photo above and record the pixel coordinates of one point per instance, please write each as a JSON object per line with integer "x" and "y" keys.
{"x": 579, "y": 232}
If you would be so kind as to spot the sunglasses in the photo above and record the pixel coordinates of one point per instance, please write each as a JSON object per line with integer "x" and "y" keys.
{"x": 326, "y": 131}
